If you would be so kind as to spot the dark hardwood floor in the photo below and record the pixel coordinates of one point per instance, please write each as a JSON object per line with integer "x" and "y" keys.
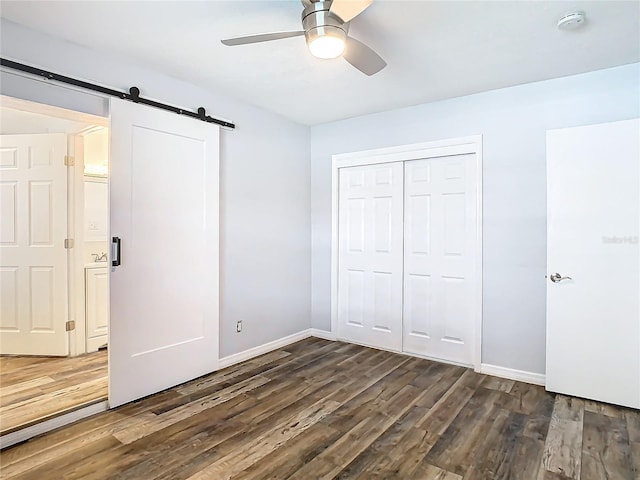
{"x": 33, "y": 389}
{"x": 324, "y": 410}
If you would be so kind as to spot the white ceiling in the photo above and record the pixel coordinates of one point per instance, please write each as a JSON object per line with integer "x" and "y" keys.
{"x": 434, "y": 49}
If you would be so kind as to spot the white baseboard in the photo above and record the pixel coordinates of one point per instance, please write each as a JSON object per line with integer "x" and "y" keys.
{"x": 48, "y": 425}
{"x": 322, "y": 334}
{"x": 262, "y": 349}
{"x": 511, "y": 374}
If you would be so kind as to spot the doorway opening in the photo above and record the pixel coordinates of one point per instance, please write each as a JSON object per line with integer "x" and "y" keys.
{"x": 54, "y": 262}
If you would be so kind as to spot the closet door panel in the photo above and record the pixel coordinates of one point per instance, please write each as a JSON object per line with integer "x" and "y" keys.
{"x": 439, "y": 263}
{"x": 418, "y": 302}
{"x": 370, "y": 255}
{"x": 354, "y": 297}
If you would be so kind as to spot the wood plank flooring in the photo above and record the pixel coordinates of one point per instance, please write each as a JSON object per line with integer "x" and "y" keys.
{"x": 33, "y": 389}
{"x": 330, "y": 410}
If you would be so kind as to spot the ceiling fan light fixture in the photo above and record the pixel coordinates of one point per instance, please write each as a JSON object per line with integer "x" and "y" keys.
{"x": 326, "y": 42}
{"x": 326, "y": 46}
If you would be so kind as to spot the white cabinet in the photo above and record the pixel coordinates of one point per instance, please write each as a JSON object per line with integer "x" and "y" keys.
{"x": 97, "y": 297}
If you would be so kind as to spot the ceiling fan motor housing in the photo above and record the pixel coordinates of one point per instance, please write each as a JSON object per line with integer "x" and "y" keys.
{"x": 317, "y": 21}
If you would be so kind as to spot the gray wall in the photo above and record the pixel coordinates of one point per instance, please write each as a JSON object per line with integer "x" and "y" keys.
{"x": 264, "y": 183}
{"x": 513, "y": 122}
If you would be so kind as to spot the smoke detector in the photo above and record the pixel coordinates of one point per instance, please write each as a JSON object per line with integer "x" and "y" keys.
{"x": 571, "y": 21}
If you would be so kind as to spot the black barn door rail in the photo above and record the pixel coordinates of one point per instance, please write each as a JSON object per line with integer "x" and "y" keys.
{"x": 133, "y": 95}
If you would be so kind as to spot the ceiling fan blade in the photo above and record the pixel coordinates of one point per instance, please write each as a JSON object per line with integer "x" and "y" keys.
{"x": 349, "y": 9}
{"x": 362, "y": 57}
{"x": 263, "y": 37}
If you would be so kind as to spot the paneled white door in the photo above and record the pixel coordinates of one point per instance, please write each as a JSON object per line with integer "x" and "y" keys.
{"x": 33, "y": 259}
{"x": 440, "y": 277}
{"x": 370, "y": 255}
{"x": 163, "y": 326}
{"x": 593, "y": 262}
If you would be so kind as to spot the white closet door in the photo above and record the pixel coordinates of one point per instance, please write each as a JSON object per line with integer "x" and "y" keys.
{"x": 593, "y": 225}
{"x": 370, "y": 255}
{"x": 164, "y": 206}
{"x": 440, "y": 277}
{"x": 33, "y": 227}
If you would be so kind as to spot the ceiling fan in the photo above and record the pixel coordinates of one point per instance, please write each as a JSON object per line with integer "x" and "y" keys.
{"x": 325, "y": 26}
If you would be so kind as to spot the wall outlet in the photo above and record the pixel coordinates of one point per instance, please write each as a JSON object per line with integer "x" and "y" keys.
{"x": 239, "y": 326}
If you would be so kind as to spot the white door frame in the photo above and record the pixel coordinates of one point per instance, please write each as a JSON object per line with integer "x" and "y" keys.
{"x": 403, "y": 153}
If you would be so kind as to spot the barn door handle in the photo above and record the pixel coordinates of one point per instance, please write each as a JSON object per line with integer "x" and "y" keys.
{"x": 115, "y": 242}
{"x": 556, "y": 277}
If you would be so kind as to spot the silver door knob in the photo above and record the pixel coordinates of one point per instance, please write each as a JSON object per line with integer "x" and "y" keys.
{"x": 556, "y": 277}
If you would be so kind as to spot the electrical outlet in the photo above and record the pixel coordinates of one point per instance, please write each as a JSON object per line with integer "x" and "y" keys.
{"x": 239, "y": 326}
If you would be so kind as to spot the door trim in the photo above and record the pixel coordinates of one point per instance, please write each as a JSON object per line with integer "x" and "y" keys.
{"x": 417, "y": 151}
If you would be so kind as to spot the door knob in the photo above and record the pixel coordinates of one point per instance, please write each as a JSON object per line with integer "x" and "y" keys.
{"x": 556, "y": 277}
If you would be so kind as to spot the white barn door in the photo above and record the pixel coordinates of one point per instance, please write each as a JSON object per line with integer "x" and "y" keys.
{"x": 440, "y": 278}
{"x": 33, "y": 258}
{"x": 164, "y": 209}
{"x": 370, "y": 255}
{"x": 593, "y": 262}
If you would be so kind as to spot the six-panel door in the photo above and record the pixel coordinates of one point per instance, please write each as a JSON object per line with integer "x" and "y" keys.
{"x": 440, "y": 235}
{"x": 370, "y": 255}
{"x": 33, "y": 227}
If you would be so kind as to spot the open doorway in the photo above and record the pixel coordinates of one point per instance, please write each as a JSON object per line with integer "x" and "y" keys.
{"x": 163, "y": 266}
{"x": 54, "y": 262}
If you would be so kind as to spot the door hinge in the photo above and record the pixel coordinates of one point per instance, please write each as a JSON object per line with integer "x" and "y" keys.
{"x": 69, "y": 161}
{"x": 68, "y": 243}
{"x": 70, "y": 325}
